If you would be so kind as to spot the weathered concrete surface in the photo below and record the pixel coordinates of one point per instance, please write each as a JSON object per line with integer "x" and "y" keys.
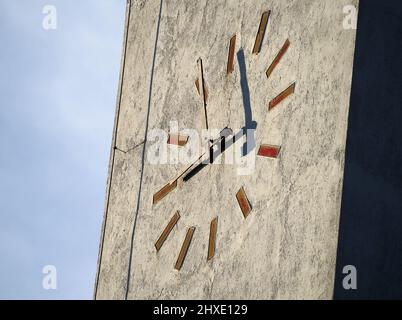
{"x": 287, "y": 246}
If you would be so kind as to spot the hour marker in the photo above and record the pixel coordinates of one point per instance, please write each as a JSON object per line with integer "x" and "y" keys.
{"x": 177, "y": 139}
{"x": 261, "y": 32}
{"x": 231, "y": 54}
{"x": 243, "y": 202}
{"x": 166, "y": 232}
{"x": 212, "y": 238}
{"x": 278, "y": 58}
{"x": 197, "y": 85}
{"x": 184, "y": 248}
{"x": 269, "y": 151}
{"x": 282, "y": 96}
{"x": 164, "y": 192}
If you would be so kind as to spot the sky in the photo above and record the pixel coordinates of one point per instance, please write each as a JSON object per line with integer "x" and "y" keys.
{"x": 58, "y": 92}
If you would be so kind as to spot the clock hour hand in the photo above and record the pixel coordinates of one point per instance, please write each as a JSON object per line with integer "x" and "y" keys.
{"x": 194, "y": 171}
{"x": 213, "y": 153}
{"x": 225, "y": 133}
{"x": 191, "y": 171}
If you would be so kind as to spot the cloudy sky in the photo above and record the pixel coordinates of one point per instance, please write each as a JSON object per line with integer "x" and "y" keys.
{"x": 57, "y": 100}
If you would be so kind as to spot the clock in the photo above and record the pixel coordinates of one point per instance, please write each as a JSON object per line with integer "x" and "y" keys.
{"x": 202, "y": 178}
{"x": 253, "y": 211}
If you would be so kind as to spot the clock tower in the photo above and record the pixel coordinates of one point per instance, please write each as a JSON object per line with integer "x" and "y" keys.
{"x": 227, "y": 158}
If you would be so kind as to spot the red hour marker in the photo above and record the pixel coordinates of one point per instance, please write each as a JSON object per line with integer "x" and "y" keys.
{"x": 232, "y": 46}
{"x": 269, "y": 151}
{"x": 278, "y": 58}
{"x": 164, "y": 192}
{"x": 212, "y": 238}
{"x": 166, "y": 232}
{"x": 282, "y": 96}
{"x": 177, "y": 139}
{"x": 184, "y": 248}
{"x": 261, "y": 32}
{"x": 243, "y": 202}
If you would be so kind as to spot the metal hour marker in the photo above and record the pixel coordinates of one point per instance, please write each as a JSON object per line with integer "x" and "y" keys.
{"x": 164, "y": 192}
{"x": 212, "y": 238}
{"x": 269, "y": 151}
{"x": 278, "y": 58}
{"x": 177, "y": 139}
{"x": 261, "y": 32}
{"x": 243, "y": 202}
{"x": 282, "y": 96}
{"x": 166, "y": 232}
{"x": 231, "y": 54}
{"x": 184, "y": 248}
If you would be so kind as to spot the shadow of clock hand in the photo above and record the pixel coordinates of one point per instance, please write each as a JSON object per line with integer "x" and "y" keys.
{"x": 249, "y": 124}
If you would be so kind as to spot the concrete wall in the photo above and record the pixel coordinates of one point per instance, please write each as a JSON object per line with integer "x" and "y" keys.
{"x": 286, "y": 248}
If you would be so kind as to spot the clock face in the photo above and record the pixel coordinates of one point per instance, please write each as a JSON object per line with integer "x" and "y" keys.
{"x": 227, "y": 184}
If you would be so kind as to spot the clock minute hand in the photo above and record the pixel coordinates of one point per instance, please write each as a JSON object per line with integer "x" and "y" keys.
{"x": 202, "y": 89}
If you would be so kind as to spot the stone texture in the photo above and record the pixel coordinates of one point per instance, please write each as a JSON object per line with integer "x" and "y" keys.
{"x": 286, "y": 248}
